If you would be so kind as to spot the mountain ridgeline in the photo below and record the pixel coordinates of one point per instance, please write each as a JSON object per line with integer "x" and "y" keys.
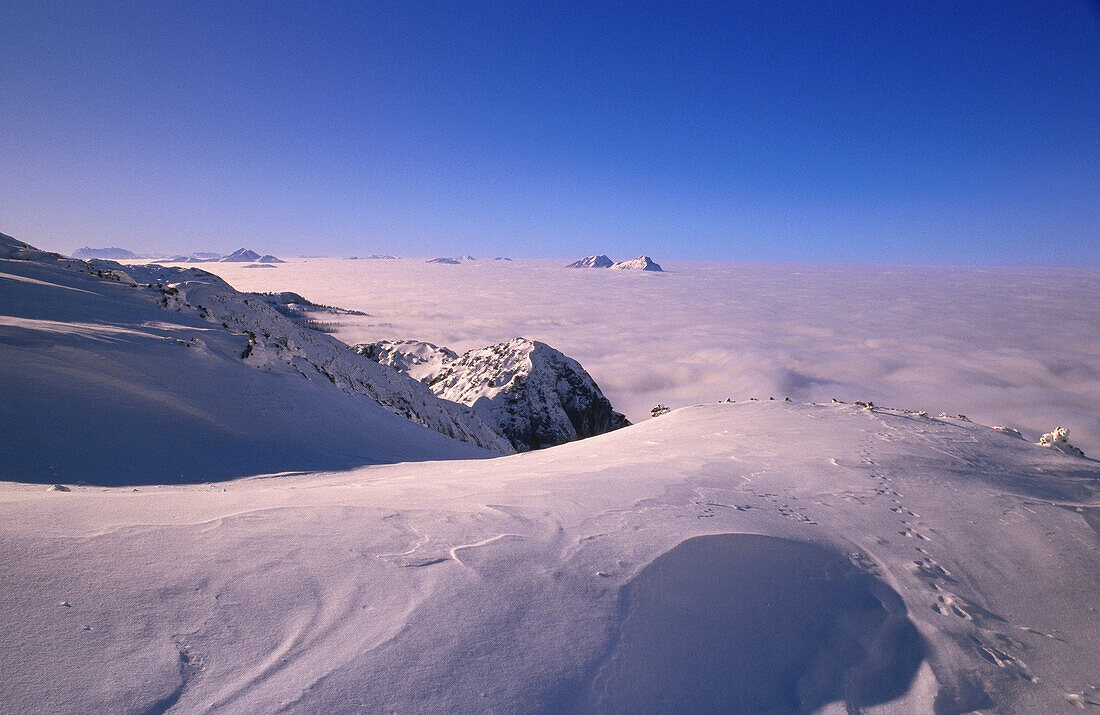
{"x": 641, "y": 263}
{"x": 221, "y": 383}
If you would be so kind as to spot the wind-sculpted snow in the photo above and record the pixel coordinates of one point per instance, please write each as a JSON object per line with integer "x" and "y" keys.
{"x": 853, "y": 556}
{"x": 1015, "y": 346}
{"x": 743, "y": 623}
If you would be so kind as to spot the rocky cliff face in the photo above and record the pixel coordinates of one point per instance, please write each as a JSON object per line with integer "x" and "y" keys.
{"x": 531, "y": 393}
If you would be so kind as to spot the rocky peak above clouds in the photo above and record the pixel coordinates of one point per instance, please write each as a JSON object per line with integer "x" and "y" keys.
{"x": 533, "y": 394}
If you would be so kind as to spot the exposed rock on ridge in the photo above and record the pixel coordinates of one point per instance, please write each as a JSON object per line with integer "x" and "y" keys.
{"x": 531, "y": 393}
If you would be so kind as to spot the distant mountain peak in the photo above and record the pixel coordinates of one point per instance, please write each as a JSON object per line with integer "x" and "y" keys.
{"x": 592, "y": 262}
{"x": 113, "y": 253}
{"x": 641, "y": 263}
{"x": 241, "y": 255}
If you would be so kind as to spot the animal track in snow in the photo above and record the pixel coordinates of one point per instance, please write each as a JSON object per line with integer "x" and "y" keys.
{"x": 1013, "y": 665}
{"x": 930, "y": 569}
{"x": 949, "y": 606}
{"x": 910, "y": 533}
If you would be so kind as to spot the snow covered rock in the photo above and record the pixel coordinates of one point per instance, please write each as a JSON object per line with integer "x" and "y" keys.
{"x": 241, "y": 255}
{"x": 592, "y": 262}
{"x": 1058, "y": 438}
{"x": 268, "y": 258}
{"x": 534, "y": 395}
{"x": 112, "y": 253}
{"x": 641, "y": 263}
{"x": 419, "y": 360}
{"x": 446, "y": 260}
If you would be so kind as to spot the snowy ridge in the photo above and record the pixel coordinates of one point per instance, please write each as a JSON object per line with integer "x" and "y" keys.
{"x": 55, "y": 303}
{"x": 641, "y": 263}
{"x": 841, "y": 557}
{"x": 278, "y": 344}
{"x": 536, "y": 396}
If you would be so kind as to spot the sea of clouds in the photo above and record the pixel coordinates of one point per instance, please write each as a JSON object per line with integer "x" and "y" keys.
{"x": 1014, "y": 346}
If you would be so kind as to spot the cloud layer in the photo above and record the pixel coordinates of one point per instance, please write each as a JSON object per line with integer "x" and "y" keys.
{"x": 1016, "y": 346}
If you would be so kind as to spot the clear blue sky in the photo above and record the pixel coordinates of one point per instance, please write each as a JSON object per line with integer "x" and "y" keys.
{"x": 919, "y": 132}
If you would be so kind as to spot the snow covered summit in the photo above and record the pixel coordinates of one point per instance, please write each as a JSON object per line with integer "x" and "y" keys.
{"x": 241, "y": 255}
{"x": 641, "y": 263}
{"x": 600, "y": 261}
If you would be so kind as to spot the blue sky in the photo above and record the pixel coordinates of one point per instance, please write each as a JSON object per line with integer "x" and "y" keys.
{"x": 943, "y": 132}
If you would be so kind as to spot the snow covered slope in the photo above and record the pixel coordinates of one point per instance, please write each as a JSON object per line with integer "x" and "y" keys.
{"x": 143, "y": 374}
{"x": 851, "y": 556}
{"x": 534, "y": 395}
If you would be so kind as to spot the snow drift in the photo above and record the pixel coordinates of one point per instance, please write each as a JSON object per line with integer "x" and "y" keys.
{"x": 853, "y": 557}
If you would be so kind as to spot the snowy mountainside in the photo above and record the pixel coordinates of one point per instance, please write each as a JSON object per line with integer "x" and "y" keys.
{"x": 842, "y": 557}
{"x": 536, "y": 396}
{"x": 276, "y": 343}
{"x": 416, "y": 358}
{"x": 107, "y": 365}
